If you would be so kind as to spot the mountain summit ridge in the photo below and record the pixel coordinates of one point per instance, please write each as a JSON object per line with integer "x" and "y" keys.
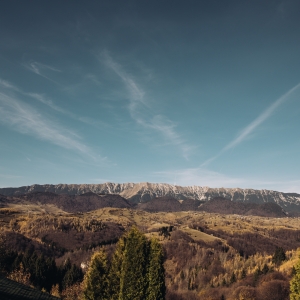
{"x": 145, "y": 191}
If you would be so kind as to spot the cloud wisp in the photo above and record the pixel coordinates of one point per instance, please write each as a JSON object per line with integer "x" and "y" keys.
{"x": 141, "y": 112}
{"x": 254, "y": 124}
{"x": 25, "y": 119}
{"x": 39, "y": 69}
{"x": 48, "y": 102}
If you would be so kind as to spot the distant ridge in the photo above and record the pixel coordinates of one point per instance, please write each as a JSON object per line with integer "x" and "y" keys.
{"x": 144, "y": 192}
{"x": 217, "y": 205}
{"x": 77, "y": 203}
{"x": 225, "y": 206}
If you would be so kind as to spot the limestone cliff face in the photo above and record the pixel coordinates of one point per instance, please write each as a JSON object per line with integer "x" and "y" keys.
{"x": 143, "y": 192}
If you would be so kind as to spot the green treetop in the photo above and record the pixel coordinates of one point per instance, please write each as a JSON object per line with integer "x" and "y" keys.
{"x": 133, "y": 281}
{"x": 114, "y": 275}
{"x": 295, "y": 284}
{"x": 155, "y": 275}
{"x": 95, "y": 280}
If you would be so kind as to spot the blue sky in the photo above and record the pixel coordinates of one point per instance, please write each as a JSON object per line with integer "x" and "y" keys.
{"x": 183, "y": 92}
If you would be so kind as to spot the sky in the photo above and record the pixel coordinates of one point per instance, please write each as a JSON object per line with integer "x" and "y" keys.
{"x": 199, "y": 92}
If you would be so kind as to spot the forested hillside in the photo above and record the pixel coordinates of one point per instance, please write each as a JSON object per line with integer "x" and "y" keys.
{"x": 205, "y": 255}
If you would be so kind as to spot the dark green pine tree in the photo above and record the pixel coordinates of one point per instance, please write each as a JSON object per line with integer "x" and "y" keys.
{"x": 50, "y": 274}
{"x": 256, "y": 274}
{"x": 265, "y": 269}
{"x": 232, "y": 278}
{"x": 295, "y": 283}
{"x": 40, "y": 272}
{"x": 114, "y": 275}
{"x": 2, "y": 254}
{"x": 32, "y": 266}
{"x": 133, "y": 279}
{"x": 156, "y": 288}
{"x": 95, "y": 285}
{"x": 7, "y": 257}
{"x": 73, "y": 275}
{"x": 26, "y": 260}
{"x": 279, "y": 256}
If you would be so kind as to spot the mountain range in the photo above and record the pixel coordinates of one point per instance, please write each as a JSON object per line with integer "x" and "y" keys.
{"x": 136, "y": 193}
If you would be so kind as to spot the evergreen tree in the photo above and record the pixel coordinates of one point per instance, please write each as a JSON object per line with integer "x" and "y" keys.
{"x": 133, "y": 281}
{"x": 295, "y": 284}
{"x": 265, "y": 269}
{"x": 114, "y": 275}
{"x": 31, "y": 265}
{"x": 256, "y": 275}
{"x": 6, "y": 257}
{"x": 73, "y": 275}
{"x": 155, "y": 276}
{"x": 18, "y": 260}
{"x": 49, "y": 274}
{"x": 67, "y": 265}
{"x": 293, "y": 271}
{"x": 95, "y": 285}
{"x": 26, "y": 260}
{"x": 136, "y": 271}
{"x": 279, "y": 256}
{"x": 232, "y": 278}
{"x": 40, "y": 272}
{"x": 2, "y": 253}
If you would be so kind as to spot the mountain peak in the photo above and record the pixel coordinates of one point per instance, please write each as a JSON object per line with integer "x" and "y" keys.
{"x": 145, "y": 191}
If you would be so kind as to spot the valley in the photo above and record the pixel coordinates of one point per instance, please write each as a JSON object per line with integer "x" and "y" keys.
{"x": 208, "y": 254}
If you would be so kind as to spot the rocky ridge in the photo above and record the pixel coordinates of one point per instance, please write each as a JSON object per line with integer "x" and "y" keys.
{"x": 144, "y": 192}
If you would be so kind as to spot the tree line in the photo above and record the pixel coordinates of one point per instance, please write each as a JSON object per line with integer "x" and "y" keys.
{"x": 38, "y": 270}
{"x": 136, "y": 271}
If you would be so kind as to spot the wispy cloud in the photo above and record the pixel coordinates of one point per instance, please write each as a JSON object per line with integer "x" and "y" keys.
{"x": 25, "y": 119}
{"x": 7, "y": 84}
{"x": 41, "y": 98}
{"x": 40, "y": 69}
{"x": 141, "y": 112}
{"x": 37, "y": 67}
{"x": 48, "y": 102}
{"x": 254, "y": 124}
{"x": 51, "y": 104}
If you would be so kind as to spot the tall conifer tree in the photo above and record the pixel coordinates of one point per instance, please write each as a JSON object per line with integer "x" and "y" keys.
{"x": 114, "y": 275}
{"x": 133, "y": 279}
{"x": 155, "y": 275}
{"x": 295, "y": 284}
{"x": 95, "y": 280}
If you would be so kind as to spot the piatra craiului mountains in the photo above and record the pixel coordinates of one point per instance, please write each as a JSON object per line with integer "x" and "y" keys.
{"x": 144, "y": 192}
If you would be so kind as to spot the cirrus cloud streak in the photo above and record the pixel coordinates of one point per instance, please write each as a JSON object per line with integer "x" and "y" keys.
{"x": 141, "y": 112}
{"x": 25, "y": 119}
{"x": 254, "y": 124}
